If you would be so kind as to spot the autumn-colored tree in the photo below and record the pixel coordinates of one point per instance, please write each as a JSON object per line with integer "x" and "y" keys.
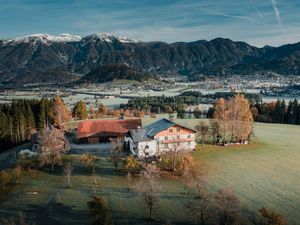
{"x": 131, "y": 164}
{"x": 60, "y": 112}
{"x": 102, "y": 111}
{"x": 270, "y": 217}
{"x": 18, "y": 170}
{"x": 234, "y": 117}
{"x": 88, "y": 161}
{"x": 189, "y": 171}
{"x": 221, "y": 116}
{"x": 4, "y": 179}
{"x": 80, "y": 111}
{"x": 141, "y": 114}
{"x": 92, "y": 114}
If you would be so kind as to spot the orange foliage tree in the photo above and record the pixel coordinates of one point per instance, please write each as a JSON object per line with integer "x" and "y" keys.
{"x": 234, "y": 117}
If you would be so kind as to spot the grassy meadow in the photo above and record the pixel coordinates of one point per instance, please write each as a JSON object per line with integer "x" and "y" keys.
{"x": 265, "y": 173}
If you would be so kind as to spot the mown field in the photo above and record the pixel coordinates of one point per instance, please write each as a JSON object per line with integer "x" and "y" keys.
{"x": 266, "y": 173}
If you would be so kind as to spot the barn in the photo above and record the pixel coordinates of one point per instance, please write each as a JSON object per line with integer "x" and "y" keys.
{"x": 100, "y": 131}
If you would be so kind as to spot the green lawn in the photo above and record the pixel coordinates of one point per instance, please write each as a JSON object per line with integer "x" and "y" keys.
{"x": 266, "y": 173}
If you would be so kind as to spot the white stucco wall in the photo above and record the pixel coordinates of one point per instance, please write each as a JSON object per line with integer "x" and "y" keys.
{"x": 147, "y": 147}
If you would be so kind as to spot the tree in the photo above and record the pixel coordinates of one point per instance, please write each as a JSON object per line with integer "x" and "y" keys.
{"x": 269, "y": 217}
{"x": 172, "y": 157}
{"x": 88, "y": 161}
{"x": 4, "y": 179}
{"x": 92, "y": 114}
{"x": 116, "y": 151}
{"x": 197, "y": 112}
{"x": 188, "y": 170}
{"x": 234, "y": 117}
{"x": 18, "y": 170}
{"x": 68, "y": 173}
{"x": 102, "y": 110}
{"x": 51, "y": 145}
{"x": 169, "y": 110}
{"x": 79, "y": 111}
{"x": 148, "y": 187}
{"x": 201, "y": 208}
{"x": 131, "y": 164}
{"x": 228, "y": 206}
{"x": 203, "y": 129}
{"x": 98, "y": 207}
{"x": 221, "y": 116}
{"x": 61, "y": 113}
{"x": 214, "y": 130}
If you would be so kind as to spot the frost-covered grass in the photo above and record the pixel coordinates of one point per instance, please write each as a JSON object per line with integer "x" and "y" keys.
{"x": 266, "y": 173}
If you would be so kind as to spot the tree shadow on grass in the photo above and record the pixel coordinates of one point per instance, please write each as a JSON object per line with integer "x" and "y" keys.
{"x": 57, "y": 214}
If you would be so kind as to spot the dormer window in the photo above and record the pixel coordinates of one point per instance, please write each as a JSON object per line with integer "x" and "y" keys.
{"x": 170, "y": 130}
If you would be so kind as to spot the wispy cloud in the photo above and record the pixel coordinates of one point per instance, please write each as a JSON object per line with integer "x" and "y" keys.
{"x": 256, "y": 9}
{"x": 276, "y": 11}
{"x": 233, "y": 16}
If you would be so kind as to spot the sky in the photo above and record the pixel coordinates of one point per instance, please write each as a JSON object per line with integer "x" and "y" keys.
{"x": 258, "y": 22}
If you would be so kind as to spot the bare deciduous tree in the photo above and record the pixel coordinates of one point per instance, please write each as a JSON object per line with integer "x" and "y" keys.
{"x": 51, "y": 145}
{"x": 116, "y": 151}
{"x": 148, "y": 187}
{"x": 228, "y": 206}
{"x": 67, "y": 174}
{"x": 201, "y": 207}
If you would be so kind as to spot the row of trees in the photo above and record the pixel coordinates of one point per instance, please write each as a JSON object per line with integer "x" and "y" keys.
{"x": 20, "y": 118}
{"x": 277, "y": 112}
{"x": 81, "y": 112}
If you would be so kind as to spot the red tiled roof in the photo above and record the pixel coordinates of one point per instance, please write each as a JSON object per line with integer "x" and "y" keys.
{"x": 105, "y": 128}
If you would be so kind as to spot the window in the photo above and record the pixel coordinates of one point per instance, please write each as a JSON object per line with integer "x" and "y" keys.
{"x": 189, "y": 136}
{"x": 178, "y": 137}
{"x": 170, "y": 130}
{"x": 166, "y": 138}
{"x": 178, "y": 129}
{"x": 189, "y": 143}
{"x": 147, "y": 147}
{"x": 166, "y": 145}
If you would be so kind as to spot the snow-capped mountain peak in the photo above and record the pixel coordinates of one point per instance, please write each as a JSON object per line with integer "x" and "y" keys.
{"x": 44, "y": 38}
{"x": 106, "y": 37}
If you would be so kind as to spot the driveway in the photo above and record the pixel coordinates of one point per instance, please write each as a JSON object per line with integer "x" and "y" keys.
{"x": 99, "y": 150}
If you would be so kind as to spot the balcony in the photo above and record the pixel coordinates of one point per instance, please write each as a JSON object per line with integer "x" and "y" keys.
{"x": 177, "y": 140}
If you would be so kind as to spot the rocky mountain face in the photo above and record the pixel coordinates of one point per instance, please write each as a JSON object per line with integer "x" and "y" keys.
{"x": 69, "y": 54}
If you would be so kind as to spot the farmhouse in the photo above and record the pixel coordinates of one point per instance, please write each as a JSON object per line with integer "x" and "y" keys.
{"x": 100, "y": 131}
{"x": 159, "y": 137}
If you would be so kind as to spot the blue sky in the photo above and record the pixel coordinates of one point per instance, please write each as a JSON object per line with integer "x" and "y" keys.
{"x": 258, "y": 22}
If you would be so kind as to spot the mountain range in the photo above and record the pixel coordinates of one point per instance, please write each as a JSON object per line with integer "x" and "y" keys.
{"x": 62, "y": 58}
